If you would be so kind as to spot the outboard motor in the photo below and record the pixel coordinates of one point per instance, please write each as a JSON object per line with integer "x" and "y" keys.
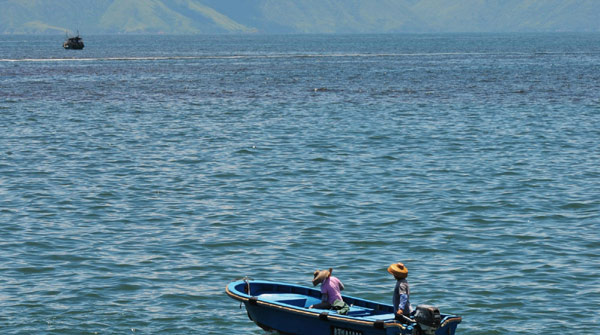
{"x": 428, "y": 319}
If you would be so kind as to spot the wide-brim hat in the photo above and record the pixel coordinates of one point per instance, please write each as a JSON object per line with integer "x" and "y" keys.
{"x": 398, "y": 270}
{"x": 320, "y": 276}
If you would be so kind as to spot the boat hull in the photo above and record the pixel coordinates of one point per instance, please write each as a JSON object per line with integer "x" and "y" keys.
{"x": 284, "y": 308}
{"x": 73, "y": 46}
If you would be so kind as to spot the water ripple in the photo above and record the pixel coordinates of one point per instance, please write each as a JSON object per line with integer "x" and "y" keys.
{"x": 136, "y": 184}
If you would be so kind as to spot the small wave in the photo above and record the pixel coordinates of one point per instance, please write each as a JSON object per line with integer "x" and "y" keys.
{"x": 128, "y": 287}
{"x": 34, "y": 270}
{"x": 225, "y": 175}
{"x": 577, "y": 205}
{"x": 244, "y": 152}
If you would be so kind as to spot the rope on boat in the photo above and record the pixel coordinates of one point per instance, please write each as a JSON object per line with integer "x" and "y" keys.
{"x": 246, "y": 280}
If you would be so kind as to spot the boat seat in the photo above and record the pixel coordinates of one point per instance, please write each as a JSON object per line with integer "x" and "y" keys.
{"x": 359, "y": 311}
{"x": 293, "y": 299}
{"x": 385, "y": 317}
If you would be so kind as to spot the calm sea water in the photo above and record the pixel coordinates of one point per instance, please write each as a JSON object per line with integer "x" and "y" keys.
{"x": 142, "y": 174}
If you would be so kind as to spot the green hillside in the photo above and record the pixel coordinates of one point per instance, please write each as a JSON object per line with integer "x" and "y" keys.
{"x": 296, "y": 16}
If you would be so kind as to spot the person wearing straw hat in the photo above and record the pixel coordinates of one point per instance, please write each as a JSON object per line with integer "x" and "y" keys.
{"x": 401, "y": 297}
{"x": 331, "y": 288}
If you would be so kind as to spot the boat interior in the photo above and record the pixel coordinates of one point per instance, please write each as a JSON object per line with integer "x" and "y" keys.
{"x": 303, "y": 297}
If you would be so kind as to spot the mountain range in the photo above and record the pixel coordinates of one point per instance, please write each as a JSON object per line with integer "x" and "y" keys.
{"x": 296, "y": 16}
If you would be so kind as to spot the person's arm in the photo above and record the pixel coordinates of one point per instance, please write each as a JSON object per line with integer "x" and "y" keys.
{"x": 324, "y": 297}
{"x": 403, "y": 299}
{"x": 396, "y": 299}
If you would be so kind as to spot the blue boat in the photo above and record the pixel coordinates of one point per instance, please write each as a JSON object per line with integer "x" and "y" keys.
{"x": 282, "y": 307}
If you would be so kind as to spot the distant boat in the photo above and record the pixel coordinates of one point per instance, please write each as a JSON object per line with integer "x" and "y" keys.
{"x": 75, "y": 42}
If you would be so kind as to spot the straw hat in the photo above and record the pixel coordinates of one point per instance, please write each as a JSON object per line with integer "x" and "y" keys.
{"x": 398, "y": 270}
{"x": 320, "y": 276}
